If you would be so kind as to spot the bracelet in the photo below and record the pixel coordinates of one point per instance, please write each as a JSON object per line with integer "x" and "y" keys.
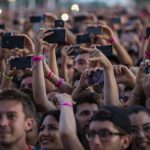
{"x": 59, "y": 83}
{"x": 147, "y": 54}
{"x": 37, "y": 58}
{"x": 111, "y": 41}
{"x": 50, "y": 74}
{"x": 7, "y": 77}
{"x": 68, "y": 104}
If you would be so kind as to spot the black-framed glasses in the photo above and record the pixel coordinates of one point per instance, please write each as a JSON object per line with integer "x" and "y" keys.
{"x": 104, "y": 134}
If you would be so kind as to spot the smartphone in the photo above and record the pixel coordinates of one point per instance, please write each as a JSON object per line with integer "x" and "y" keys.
{"x": 2, "y": 26}
{"x": 116, "y": 20}
{"x": 85, "y": 38}
{"x": 94, "y": 30}
{"x": 36, "y": 19}
{"x": 147, "y": 70}
{"x": 58, "y": 36}
{"x": 21, "y": 63}
{"x": 59, "y": 23}
{"x": 12, "y": 42}
{"x": 106, "y": 50}
{"x": 96, "y": 77}
{"x": 80, "y": 18}
{"x": 147, "y": 32}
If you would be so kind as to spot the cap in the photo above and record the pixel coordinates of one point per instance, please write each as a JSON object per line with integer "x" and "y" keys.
{"x": 116, "y": 115}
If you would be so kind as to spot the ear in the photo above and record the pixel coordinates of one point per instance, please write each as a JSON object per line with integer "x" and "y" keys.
{"x": 126, "y": 141}
{"x": 29, "y": 124}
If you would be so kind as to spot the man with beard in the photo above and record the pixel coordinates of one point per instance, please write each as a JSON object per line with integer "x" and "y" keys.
{"x": 86, "y": 105}
{"x": 16, "y": 119}
{"x": 140, "y": 125}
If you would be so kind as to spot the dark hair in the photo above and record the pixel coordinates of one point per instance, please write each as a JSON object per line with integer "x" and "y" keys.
{"x": 54, "y": 113}
{"x": 86, "y": 97}
{"x": 17, "y": 95}
{"x": 136, "y": 109}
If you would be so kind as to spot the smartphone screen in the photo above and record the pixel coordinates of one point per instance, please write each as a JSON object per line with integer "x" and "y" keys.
{"x": 2, "y": 26}
{"x": 115, "y": 20}
{"x": 147, "y": 32}
{"x": 94, "y": 30}
{"x": 58, "y": 36}
{"x": 85, "y": 38}
{"x": 36, "y": 19}
{"x": 59, "y": 23}
{"x": 106, "y": 50}
{"x": 12, "y": 42}
{"x": 80, "y": 18}
{"x": 21, "y": 62}
{"x": 96, "y": 77}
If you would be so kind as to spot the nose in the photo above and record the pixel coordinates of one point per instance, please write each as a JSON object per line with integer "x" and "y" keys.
{"x": 141, "y": 134}
{"x": 3, "y": 121}
{"x": 96, "y": 140}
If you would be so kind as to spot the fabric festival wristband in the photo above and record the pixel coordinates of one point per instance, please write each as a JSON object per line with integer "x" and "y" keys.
{"x": 49, "y": 75}
{"x": 68, "y": 104}
{"x": 147, "y": 54}
{"x": 59, "y": 83}
{"x": 37, "y": 58}
{"x": 111, "y": 41}
{"x": 7, "y": 77}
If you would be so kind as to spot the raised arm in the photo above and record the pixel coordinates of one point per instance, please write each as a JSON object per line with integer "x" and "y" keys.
{"x": 39, "y": 89}
{"x": 68, "y": 124}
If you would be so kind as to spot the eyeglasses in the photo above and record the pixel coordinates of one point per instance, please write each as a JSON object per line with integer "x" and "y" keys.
{"x": 103, "y": 134}
{"x": 145, "y": 129}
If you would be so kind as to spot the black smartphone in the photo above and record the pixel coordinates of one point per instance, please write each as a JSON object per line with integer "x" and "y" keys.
{"x": 85, "y": 38}
{"x": 116, "y": 20}
{"x": 147, "y": 32}
{"x": 59, "y": 23}
{"x": 2, "y": 26}
{"x": 58, "y": 36}
{"x": 147, "y": 69}
{"x": 96, "y": 77}
{"x": 106, "y": 50}
{"x": 36, "y": 19}
{"x": 80, "y": 18}
{"x": 21, "y": 62}
{"x": 94, "y": 30}
{"x": 12, "y": 42}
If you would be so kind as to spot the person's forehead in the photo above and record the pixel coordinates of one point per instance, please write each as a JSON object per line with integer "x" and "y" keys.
{"x": 82, "y": 56}
{"x": 87, "y": 106}
{"x": 49, "y": 119}
{"x": 139, "y": 118}
{"x": 98, "y": 125}
{"x": 10, "y": 106}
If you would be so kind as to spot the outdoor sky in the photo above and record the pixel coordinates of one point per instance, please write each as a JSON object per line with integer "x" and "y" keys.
{"x": 110, "y": 2}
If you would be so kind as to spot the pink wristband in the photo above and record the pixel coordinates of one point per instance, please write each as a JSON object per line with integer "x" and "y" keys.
{"x": 69, "y": 104}
{"x": 147, "y": 54}
{"x": 111, "y": 41}
{"x": 37, "y": 58}
{"x": 59, "y": 83}
{"x": 49, "y": 75}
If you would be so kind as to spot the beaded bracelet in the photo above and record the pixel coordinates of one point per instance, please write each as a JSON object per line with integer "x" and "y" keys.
{"x": 37, "y": 58}
{"x": 7, "y": 77}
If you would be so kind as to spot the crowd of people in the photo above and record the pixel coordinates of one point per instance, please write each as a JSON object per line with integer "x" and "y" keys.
{"x": 88, "y": 86}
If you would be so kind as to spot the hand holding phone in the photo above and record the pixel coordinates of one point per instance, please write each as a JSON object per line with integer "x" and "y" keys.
{"x": 96, "y": 77}
{"x": 12, "y": 41}
{"x": 21, "y": 63}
